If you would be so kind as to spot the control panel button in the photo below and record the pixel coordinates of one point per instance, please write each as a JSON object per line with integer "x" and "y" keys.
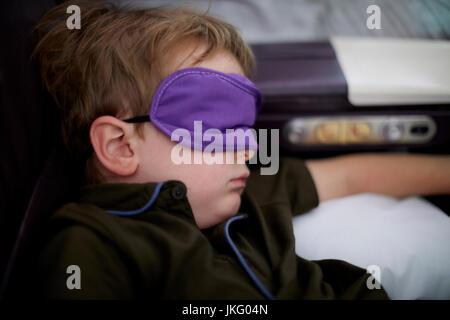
{"x": 328, "y": 132}
{"x": 357, "y": 132}
{"x": 393, "y": 131}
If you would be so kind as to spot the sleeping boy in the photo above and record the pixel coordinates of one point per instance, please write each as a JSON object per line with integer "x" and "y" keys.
{"x": 146, "y": 226}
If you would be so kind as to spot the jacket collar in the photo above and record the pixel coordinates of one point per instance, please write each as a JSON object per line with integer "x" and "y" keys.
{"x": 171, "y": 197}
{"x": 135, "y": 198}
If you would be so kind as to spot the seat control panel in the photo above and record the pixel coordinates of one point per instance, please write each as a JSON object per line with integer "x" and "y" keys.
{"x": 347, "y": 130}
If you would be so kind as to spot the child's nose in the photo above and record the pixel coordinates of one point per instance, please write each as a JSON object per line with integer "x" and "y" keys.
{"x": 249, "y": 153}
{"x": 245, "y": 154}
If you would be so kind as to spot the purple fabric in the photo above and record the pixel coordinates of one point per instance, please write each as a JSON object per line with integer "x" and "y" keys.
{"x": 220, "y": 101}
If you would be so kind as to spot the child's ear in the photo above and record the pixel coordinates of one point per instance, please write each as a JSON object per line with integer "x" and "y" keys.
{"x": 113, "y": 142}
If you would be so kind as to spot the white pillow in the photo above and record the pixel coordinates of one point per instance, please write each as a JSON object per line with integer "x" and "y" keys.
{"x": 409, "y": 239}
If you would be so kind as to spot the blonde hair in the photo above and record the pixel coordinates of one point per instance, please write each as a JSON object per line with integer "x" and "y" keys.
{"x": 114, "y": 63}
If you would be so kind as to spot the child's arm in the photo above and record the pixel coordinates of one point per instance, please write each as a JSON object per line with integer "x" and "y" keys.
{"x": 396, "y": 175}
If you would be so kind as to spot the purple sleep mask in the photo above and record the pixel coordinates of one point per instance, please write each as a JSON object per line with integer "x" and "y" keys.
{"x": 219, "y": 101}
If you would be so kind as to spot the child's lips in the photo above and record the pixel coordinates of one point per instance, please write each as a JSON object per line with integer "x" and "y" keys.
{"x": 238, "y": 182}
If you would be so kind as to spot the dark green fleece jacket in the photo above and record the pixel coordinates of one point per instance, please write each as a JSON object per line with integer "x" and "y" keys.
{"x": 161, "y": 253}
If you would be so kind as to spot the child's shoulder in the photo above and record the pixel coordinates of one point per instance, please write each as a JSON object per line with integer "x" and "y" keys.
{"x": 82, "y": 216}
{"x": 292, "y": 183}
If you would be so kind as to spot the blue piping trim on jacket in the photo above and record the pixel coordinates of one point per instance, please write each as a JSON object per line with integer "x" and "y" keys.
{"x": 241, "y": 259}
{"x": 138, "y": 211}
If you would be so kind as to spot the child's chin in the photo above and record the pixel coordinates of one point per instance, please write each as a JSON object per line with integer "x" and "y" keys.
{"x": 234, "y": 201}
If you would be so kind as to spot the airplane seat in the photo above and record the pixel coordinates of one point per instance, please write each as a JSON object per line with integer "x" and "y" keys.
{"x": 37, "y": 174}
{"x": 57, "y": 184}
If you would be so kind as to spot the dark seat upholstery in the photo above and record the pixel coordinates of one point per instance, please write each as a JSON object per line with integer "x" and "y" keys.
{"x": 34, "y": 169}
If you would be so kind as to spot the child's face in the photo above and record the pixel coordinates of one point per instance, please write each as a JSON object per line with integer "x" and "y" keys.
{"x": 212, "y": 193}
